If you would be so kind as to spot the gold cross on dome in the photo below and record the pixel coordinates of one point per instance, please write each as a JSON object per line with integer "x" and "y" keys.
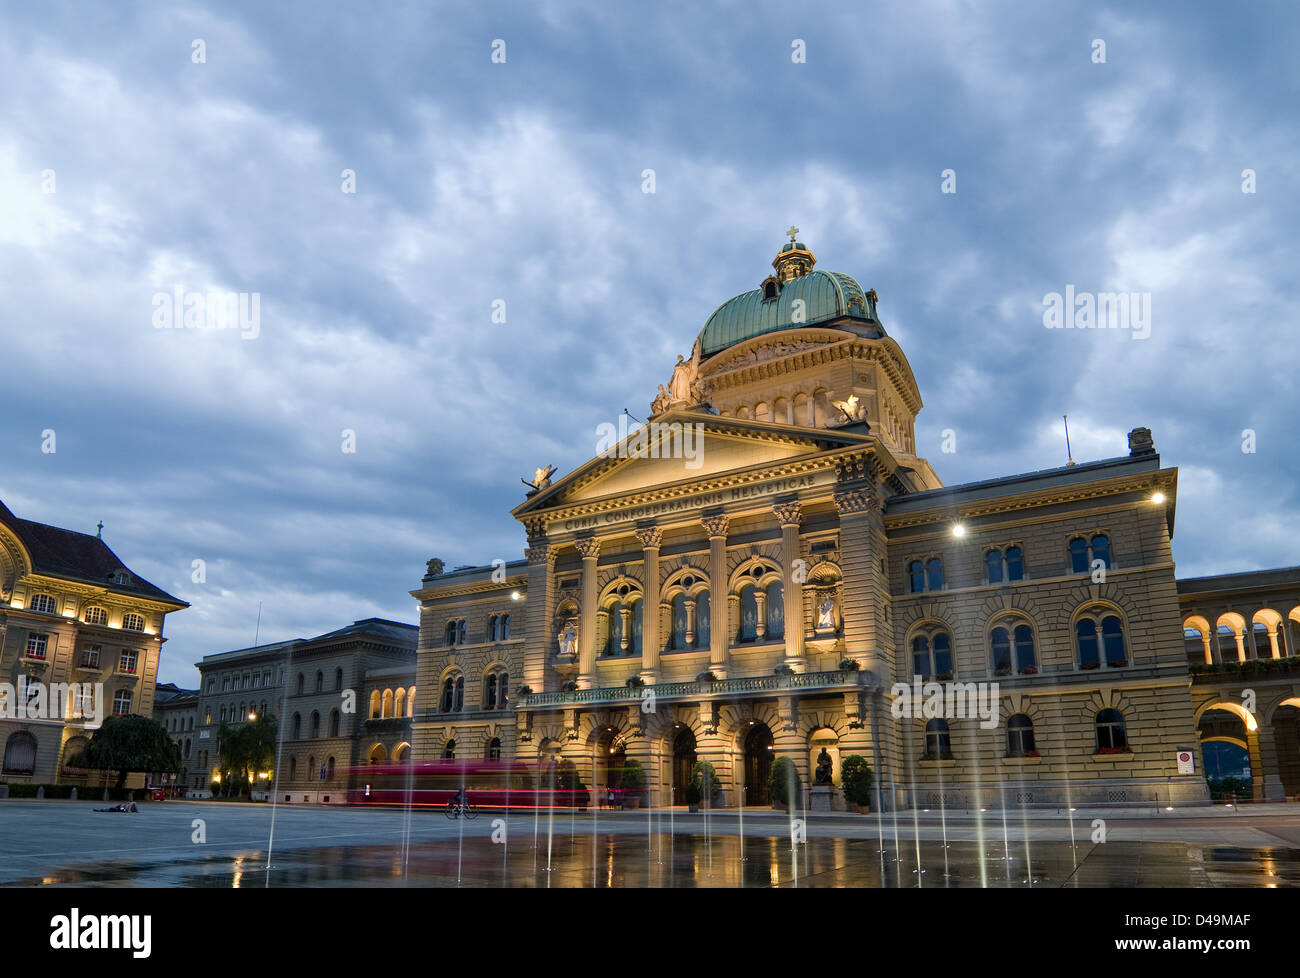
{"x": 792, "y": 232}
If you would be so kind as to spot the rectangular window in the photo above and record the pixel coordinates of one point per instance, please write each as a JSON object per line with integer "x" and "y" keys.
{"x": 128, "y": 661}
{"x": 90, "y": 657}
{"x": 36, "y": 645}
{"x": 121, "y": 702}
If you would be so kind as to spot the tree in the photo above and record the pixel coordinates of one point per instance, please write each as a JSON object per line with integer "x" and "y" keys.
{"x": 856, "y": 780}
{"x": 783, "y": 781}
{"x": 244, "y": 750}
{"x": 128, "y": 744}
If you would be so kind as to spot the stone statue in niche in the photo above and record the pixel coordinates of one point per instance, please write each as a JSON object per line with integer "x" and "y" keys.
{"x": 568, "y": 639}
{"x": 823, "y": 774}
{"x": 826, "y": 614}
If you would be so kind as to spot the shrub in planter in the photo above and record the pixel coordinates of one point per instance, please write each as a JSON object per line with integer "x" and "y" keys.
{"x": 706, "y": 677}
{"x": 525, "y": 690}
{"x": 633, "y": 782}
{"x": 856, "y": 780}
{"x": 783, "y": 781}
{"x": 570, "y": 686}
{"x": 704, "y": 782}
{"x": 783, "y": 670}
{"x": 850, "y": 665}
{"x": 634, "y": 682}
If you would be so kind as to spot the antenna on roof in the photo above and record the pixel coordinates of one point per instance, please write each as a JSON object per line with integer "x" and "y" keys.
{"x": 632, "y": 416}
{"x": 1069, "y": 457}
{"x": 257, "y": 632}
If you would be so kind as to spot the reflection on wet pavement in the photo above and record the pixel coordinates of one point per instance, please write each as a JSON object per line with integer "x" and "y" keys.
{"x": 697, "y": 860}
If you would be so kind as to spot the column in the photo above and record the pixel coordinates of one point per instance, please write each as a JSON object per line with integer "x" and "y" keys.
{"x": 1205, "y": 641}
{"x": 1272, "y": 642}
{"x": 719, "y": 598}
{"x": 650, "y": 537}
{"x": 539, "y": 606}
{"x": 790, "y": 515}
{"x": 589, "y": 549}
{"x": 1241, "y": 644}
{"x": 864, "y": 591}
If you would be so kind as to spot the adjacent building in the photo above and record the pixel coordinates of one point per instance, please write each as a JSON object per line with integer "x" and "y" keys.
{"x": 80, "y": 634}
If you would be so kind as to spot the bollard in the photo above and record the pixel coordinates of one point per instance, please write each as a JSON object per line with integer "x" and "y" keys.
{"x": 73, "y": 795}
{"x": 40, "y": 792}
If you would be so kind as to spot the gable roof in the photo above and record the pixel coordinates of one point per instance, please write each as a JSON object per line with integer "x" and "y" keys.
{"x": 80, "y": 557}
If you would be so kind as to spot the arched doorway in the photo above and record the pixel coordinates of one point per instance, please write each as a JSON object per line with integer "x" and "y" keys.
{"x": 1225, "y": 754}
{"x": 1286, "y": 735}
{"x": 758, "y": 764}
{"x": 683, "y": 761}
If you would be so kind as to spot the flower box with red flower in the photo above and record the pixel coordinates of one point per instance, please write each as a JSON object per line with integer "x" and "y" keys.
{"x": 1029, "y": 671}
{"x": 1114, "y": 750}
{"x": 1117, "y": 663}
{"x": 1090, "y": 665}
{"x": 1002, "y": 671}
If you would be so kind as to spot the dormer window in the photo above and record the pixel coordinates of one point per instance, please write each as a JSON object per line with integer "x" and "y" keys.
{"x": 121, "y": 577}
{"x": 770, "y": 288}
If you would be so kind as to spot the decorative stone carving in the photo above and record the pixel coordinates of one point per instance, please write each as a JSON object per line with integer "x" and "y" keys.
{"x": 433, "y": 567}
{"x": 716, "y": 525}
{"x": 769, "y": 351}
{"x": 679, "y": 386}
{"x": 788, "y": 514}
{"x": 650, "y": 536}
{"x": 588, "y": 546}
{"x": 660, "y": 404}
{"x": 826, "y": 614}
{"x": 852, "y": 408}
{"x": 1140, "y": 442}
{"x": 540, "y": 553}
{"x": 568, "y": 639}
{"x": 856, "y": 500}
{"x": 823, "y": 773}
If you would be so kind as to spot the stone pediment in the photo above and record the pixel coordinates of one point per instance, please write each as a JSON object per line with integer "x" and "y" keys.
{"x": 684, "y": 447}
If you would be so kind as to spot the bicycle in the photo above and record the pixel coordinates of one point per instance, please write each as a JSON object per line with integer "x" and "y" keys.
{"x": 456, "y": 810}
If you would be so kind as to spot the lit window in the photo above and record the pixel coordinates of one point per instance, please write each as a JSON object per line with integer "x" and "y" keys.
{"x": 133, "y": 623}
{"x": 36, "y": 645}
{"x": 96, "y": 616}
{"x": 1020, "y": 737}
{"x": 127, "y": 661}
{"x": 1112, "y": 736}
{"x": 90, "y": 657}
{"x": 121, "y": 702}
{"x": 43, "y": 603}
{"x": 932, "y": 655}
{"x": 938, "y": 741}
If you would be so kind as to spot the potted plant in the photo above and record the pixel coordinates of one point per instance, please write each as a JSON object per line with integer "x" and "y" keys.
{"x": 693, "y": 794}
{"x": 1090, "y": 665}
{"x": 783, "y": 670}
{"x": 1002, "y": 671}
{"x": 783, "y": 784}
{"x": 525, "y": 690}
{"x": 850, "y": 665}
{"x": 856, "y": 780}
{"x": 706, "y": 785}
{"x": 571, "y": 687}
{"x": 633, "y": 782}
{"x": 1029, "y": 671}
{"x": 706, "y": 677}
{"x": 634, "y": 682}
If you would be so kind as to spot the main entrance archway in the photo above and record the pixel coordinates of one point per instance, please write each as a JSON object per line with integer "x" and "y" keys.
{"x": 758, "y": 764}
{"x": 683, "y": 761}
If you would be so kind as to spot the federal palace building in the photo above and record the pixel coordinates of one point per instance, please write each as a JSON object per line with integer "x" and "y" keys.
{"x": 757, "y": 570}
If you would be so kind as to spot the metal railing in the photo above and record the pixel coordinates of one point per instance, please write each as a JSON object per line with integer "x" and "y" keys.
{"x": 748, "y": 685}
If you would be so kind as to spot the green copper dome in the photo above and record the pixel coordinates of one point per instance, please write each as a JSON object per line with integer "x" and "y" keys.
{"x": 826, "y": 296}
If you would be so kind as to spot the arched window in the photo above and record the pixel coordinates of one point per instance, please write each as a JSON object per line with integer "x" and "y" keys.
{"x": 1020, "y": 737}
{"x": 311, "y": 768}
{"x": 20, "y": 753}
{"x": 448, "y": 694}
{"x": 748, "y": 631}
{"x": 1084, "y": 553}
{"x": 1112, "y": 737}
{"x": 338, "y": 679}
{"x": 1079, "y": 555}
{"x": 320, "y": 681}
{"x": 376, "y": 704}
{"x": 1099, "y": 631}
{"x": 460, "y": 631}
{"x": 315, "y": 724}
{"x": 490, "y": 692}
{"x": 297, "y": 726}
{"x": 679, "y": 622}
{"x": 449, "y": 751}
{"x": 1012, "y": 644}
{"x": 451, "y": 633}
{"x": 775, "y": 611}
{"x": 938, "y": 741}
{"x": 460, "y": 693}
{"x": 399, "y": 702}
{"x": 932, "y": 654}
{"x": 916, "y": 576}
{"x": 387, "y": 710}
{"x": 96, "y": 616}
{"x": 133, "y": 623}
{"x": 329, "y": 768}
{"x": 1101, "y": 549}
{"x": 494, "y": 749}
{"x": 505, "y": 627}
{"x": 1015, "y": 564}
{"x": 293, "y": 769}
{"x": 334, "y": 723}
{"x": 993, "y": 566}
{"x": 301, "y": 681}
{"x": 702, "y": 614}
{"x": 934, "y": 574}
{"x": 492, "y": 628}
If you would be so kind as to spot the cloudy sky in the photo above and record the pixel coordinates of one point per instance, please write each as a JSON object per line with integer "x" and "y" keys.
{"x": 134, "y": 162}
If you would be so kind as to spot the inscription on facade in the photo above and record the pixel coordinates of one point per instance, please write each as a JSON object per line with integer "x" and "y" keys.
{"x": 701, "y": 500}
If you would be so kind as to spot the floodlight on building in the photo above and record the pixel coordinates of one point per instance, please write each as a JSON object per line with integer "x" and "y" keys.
{"x": 959, "y": 529}
{"x": 1158, "y": 498}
